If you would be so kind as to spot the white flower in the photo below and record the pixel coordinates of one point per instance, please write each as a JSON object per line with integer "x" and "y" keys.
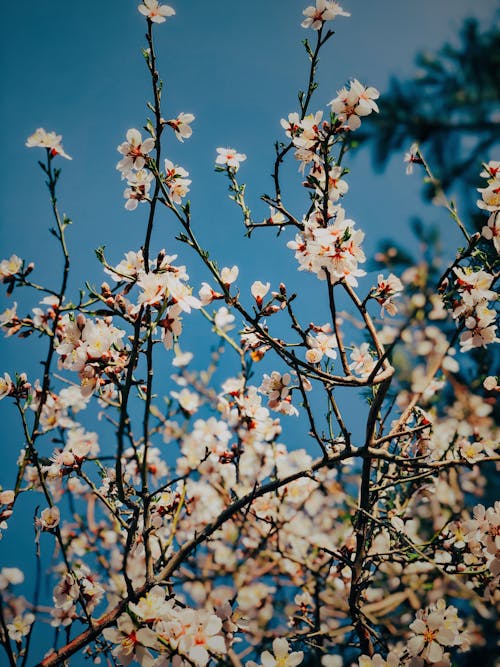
{"x": 6, "y": 385}
{"x": 229, "y": 275}
{"x": 155, "y": 12}
{"x": 181, "y": 125}
{"x": 259, "y": 291}
{"x": 281, "y": 658}
{"x": 324, "y": 10}
{"x": 491, "y": 231}
{"x": 228, "y": 157}
{"x": 49, "y": 518}
{"x": 9, "y": 267}
{"x": 131, "y": 642}
{"x": 20, "y": 627}
{"x": 139, "y": 185}
{"x": 49, "y": 140}
{"x": 412, "y": 157}
{"x": 223, "y": 319}
{"x": 188, "y": 400}
{"x": 275, "y": 386}
{"x": 434, "y": 628}
{"x": 490, "y": 383}
{"x": 354, "y": 102}
{"x": 135, "y": 151}
{"x": 490, "y": 197}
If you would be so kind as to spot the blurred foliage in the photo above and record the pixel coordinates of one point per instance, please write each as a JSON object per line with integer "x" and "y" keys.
{"x": 451, "y": 108}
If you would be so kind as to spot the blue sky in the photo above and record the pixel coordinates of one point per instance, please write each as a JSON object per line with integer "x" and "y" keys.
{"x": 76, "y": 68}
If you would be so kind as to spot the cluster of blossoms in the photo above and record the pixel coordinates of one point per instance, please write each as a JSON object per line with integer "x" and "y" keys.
{"x": 471, "y": 295}
{"x": 278, "y": 390}
{"x": 79, "y": 585}
{"x": 134, "y": 165}
{"x": 435, "y": 629}
{"x": 353, "y": 103}
{"x": 329, "y": 243}
{"x": 240, "y": 535}
{"x": 386, "y": 290}
{"x": 471, "y": 307}
{"x": 93, "y": 348}
{"x": 477, "y": 541}
{"x": 163, "y": 288}
{"x": 490, "y": 201}
{"x": 333, "y": 251}
{"x": 190, "y": 635}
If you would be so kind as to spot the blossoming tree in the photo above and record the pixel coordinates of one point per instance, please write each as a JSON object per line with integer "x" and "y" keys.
{"x": 198, "y": 536}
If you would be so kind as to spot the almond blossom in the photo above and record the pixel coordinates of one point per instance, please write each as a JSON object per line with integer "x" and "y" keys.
{"x": 139, "y": 183}
{"x": 49, "y": 140}
{"x": 335, "y": 248}
{"x": 155, "y": 12}
{"x": 176, "y": 181}
{"x": 324, "y": 10}
{"x": 9, "y": 267}
{"x": 135, "y": 151}
{"x": 392, "y": 660}
{"x": 386, "y": 290}
{"x": 182, "y": 125}
{"x": 434, "y": 629}
{"x": 281, "y": 658}
{"x": 20, "y": 626}
{"x": 321, "y": 345}
{"x": 6, "y": 385}
{"x": 352, "y": 103}
{"x": 49, "y": 518}
{"x": 491, "y": 231}
{"x": 131, "y": 642}
{"x": 230, "y": 158}
{"x": 259, "y": 291}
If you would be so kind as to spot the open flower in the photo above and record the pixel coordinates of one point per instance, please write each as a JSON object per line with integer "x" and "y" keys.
{"x": 354, "y": 102}
{"x": 434, "y": 629}
{"x": 49, "y": 518}
{"x": 228, "y": 157}
{"x": 182, "y": 125}
{"x": 281, "y": 658}
{"x": 155, "y": 12}
{"x": 42, "y": 139}
{"x": 135, "y": 151}
{"x": 131, "y": 642}
{"x": 323, "y": 11}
